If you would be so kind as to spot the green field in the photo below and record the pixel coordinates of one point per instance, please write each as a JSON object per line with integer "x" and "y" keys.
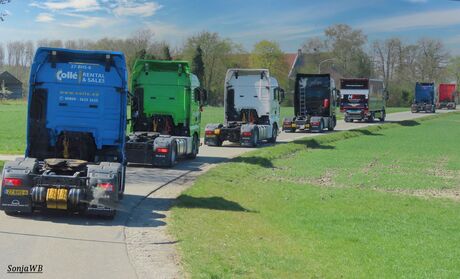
{"x": 380, "y": 202}
{"x": 12, "y": 127}
{"x": 13, "y": 123}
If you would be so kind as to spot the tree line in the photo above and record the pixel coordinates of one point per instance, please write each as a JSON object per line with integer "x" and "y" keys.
{"x": 346, "y": 49}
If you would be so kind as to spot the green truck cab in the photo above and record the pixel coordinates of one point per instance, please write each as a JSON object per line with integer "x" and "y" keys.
{"x": 166, "y": 110}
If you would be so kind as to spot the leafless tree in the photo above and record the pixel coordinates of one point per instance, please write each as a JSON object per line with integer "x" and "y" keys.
{"x": 387, "y": 58}
{"x": 2, "y": 56}
{"x": 432, "y": 59}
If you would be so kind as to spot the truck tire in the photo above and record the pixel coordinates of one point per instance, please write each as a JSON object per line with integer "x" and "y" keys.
{"x": 383, "y": 116}
{"x": 332, "y": 124}
{"x": 370, "y": 119}
{"x": 321, "y": 126}
{"x": 274, "y": 134}
{"x": 255, "y": 138}
{"x": 195, "y": 147}
{"x": 173, "y": 156}
{"x": 121, "y": 192}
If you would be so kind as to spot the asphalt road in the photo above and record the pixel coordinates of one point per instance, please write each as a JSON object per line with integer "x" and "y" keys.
{"x": 72, "y": 246}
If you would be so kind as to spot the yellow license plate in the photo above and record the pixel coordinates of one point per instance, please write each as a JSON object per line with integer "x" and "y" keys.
{"x": 16, "y": 192}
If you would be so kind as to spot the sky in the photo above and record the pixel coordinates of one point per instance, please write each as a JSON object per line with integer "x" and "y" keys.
{"x": 289, "y": 22}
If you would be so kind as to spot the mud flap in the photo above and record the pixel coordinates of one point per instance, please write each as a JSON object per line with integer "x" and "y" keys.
{"x": 163, "y": 159}
{"x": 16, "y": 203}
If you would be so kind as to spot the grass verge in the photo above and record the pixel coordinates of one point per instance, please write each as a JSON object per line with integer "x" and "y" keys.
{"x": 13, "y": 123}
{"x": 330, "y": 207}
{"x": 12, "y": 127}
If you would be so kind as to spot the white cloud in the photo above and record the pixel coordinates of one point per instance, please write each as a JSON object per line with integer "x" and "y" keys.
{"x": 75, "y": 5}
{"x": 431, "y": 19}
{"x": 44, "y": 17}
{"x": 84, "y": 22}
{"x": 137, "y": 9}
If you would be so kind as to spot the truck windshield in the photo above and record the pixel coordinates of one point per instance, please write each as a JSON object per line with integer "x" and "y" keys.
{"x": 315, "y": 87}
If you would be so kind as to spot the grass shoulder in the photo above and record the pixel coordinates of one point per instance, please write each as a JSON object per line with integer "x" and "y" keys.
{"x": 339, "y": 205}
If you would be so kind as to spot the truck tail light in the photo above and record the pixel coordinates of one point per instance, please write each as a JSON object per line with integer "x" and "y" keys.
{"x": 247, "y": 134}
{"x": 209, "y": 132}
{"x": 106, "y": 186}
{"x": 162, "y": 150}
{"x": 12, "y": 181}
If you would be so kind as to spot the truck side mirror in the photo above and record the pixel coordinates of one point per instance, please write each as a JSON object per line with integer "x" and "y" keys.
{"x": 203, "y": 97}
{"x": 279, "y": 94}
{"x": 337, "y": 95}
{"x": 197, "y": 95}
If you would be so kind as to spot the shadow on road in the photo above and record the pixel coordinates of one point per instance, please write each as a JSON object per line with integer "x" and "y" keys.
{"x": 213, "y": 203}
{"x": 151, "y": 219}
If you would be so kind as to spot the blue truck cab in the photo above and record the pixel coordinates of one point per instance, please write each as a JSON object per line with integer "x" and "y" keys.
{"x": 76, "y": 128}
{"x": 425, "y": 97}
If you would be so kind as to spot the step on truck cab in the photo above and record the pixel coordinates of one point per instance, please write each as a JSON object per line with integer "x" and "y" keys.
{"x": 165, "y": 113}
{"x": 363, "y": 99}
{"x": 252, "y": 109}
{"x": 448, "y": 96}
{"x": 315, "y": 101}
{"x": 76, "y": 126}
{"x": 425, "y": 97}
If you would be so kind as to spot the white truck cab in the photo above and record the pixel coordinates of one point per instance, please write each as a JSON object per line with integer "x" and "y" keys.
{"x": 252, "y": 108}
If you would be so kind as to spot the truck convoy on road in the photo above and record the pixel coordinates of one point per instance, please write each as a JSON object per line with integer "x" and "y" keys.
{"x": 362, "y": 99}
{"x": 165, "y": 113}
{"x": 315, "y": 101}
{"x": 448, "y": 96}
{"x": 252, "y": 109}
{"x": 76, "y": 123}
{"x": 425, "y": 98}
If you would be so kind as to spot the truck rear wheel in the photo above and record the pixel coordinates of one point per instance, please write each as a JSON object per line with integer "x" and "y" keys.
{"x": 195, "y": 147}
{"x": 173, "y": 155}
{"x": 121, "y": 192}
{"x": 274, "y": 134}
{"x": 370, "y": 118}
{"x": 255, "y": 138}
{"x": 383, "y": 115}
{"x": 321, "y": 126}
{"x": 332, "y": 124}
